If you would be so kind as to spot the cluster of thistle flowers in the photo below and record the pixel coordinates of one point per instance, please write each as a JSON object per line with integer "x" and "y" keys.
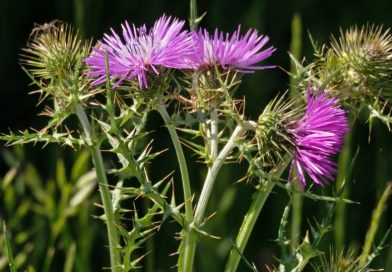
{"x": 168, "y": 46}
{"x": 312, "y": 134}
{"x": 306, "y": 131}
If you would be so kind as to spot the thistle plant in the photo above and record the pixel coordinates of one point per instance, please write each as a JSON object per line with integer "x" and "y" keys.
{"x": 103, "y": 96}
{"x": 141, "y": 52}
{"x": 317, "y": 136}
{"x": 355, "y": 68}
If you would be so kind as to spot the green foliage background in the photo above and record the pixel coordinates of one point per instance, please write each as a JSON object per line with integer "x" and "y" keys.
{"x": 18, "y": 111}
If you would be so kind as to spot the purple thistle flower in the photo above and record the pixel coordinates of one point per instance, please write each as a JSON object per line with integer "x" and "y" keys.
{"x": 317, "y": 136}
{"x": 237, "y": 52}
{"x": 139, "y": 51}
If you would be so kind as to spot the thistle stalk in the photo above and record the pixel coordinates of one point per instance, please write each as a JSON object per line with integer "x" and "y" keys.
{"x": 193, "y": 15}
{"x": 375, "y": 224}
{"x": 213, "y": 173}
{"x": 250, "y": 219}
{"x": 340, "y": 216}
{"x": 8, "y": 249}
{"x": 214, "y": 130}
{"x": 113, "y": 236}
{"x": 188, "y": 246}
{"x": 207, "y": 189}
{"x": 297, "y": 199}
{"x": 214, "y": 170}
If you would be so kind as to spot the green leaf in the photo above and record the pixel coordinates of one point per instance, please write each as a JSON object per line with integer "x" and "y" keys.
{"x": 70, "y": 258}
{"x": 8, "y": 249}
{"x": 81, "y": 165}
{"x": 9, "y": 177}
{"x": 84, "y": 188}
{"x": 375, "y": 222}
{"x": 61, "y": 177}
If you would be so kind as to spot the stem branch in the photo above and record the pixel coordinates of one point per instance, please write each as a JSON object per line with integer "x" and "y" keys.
{"x": 214, "y": 130}
{"x": 213, "y": 172}
{"x": 113, "y": 236}
{"x": 193, "y": 15}
{"x": 250, "y": 219}
{"x": 187, "y": 253}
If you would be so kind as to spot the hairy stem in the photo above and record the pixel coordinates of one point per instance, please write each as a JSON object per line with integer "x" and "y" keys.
{"x": 113, "y": 236}
{"x": 187, "y": 249}
{"x": 214, "y": 130}
{"x": 193, "y": 15}
{"x": 250, "y": 219}
{"x": 214, "y": 170}
{"x": 212, "y": 174}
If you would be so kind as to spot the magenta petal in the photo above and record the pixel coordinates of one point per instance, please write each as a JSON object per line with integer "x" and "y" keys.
{"x": 318, "y": 136}
{"x": 236, "y": 52}
{"x": 138, "y": 50}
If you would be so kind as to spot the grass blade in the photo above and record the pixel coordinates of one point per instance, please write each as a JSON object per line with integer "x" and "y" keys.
{"x": 375, "y": 222}
{"x": 8, "y": 248}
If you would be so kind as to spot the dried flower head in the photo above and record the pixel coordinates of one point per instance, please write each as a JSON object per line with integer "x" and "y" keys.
{"x": 140, "y": 52}
{"x": 236, "y": 52}
{"x": 54, "y": 51}
{"x": 55, "y": 58}
{"x": 317, "y": 136}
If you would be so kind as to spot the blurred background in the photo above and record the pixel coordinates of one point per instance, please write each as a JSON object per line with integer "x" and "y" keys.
{"x": 37, "y": 169}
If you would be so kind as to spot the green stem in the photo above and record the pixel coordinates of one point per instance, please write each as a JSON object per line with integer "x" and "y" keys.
{"x": 79, "y": 15}
{"x": 181, "y": 160}
{"x": 113, "y": 236}
{"x": 340, "y": 215}
{"x": 212, "y": 174}
{"x": 193, "y": 15}
{"x": 297, "y": 201}
{"x": 50, "y": 250}
{"x": 8, "y": 248}
{"x": 216, "y": 166}
{"x": 187, "y": 253}
{"x": 297, "y": 198}
{"x": 214, "y": 170}
{"x": 150, "y": 246}
{"x": 247, "y": 226}
{"x": 214, "y": 130}
{"x": 250, "y": 220}
{"x": 375, "y": 223}
{"x": 295, "y": 49}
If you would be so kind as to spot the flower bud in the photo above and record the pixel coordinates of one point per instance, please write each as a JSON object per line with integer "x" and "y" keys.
{"x": 358, "y": 66}
{"x": 54, "y": 58}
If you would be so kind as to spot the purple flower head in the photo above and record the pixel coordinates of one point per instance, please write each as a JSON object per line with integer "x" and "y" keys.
{"x": 140, "y": 51}
{"x": 236, "y": 52}
{"x": 318, "y": 136}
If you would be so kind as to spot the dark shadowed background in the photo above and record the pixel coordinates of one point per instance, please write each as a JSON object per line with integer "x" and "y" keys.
{"x": 321, "y": 18}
